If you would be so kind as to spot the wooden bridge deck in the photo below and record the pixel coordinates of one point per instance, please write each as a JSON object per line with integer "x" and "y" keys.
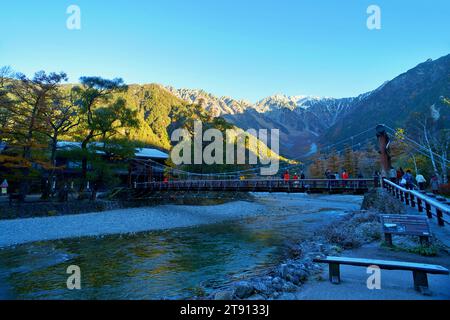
{"x": 356, "y": 186}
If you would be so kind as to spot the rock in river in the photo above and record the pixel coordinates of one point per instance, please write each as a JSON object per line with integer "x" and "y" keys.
{"x": 243, "y": 290}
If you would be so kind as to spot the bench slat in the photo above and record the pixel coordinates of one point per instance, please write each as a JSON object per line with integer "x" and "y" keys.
{"x": 384, "y": 264}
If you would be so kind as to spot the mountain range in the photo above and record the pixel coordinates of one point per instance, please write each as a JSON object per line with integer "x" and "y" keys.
{"x": 307, "y": 122}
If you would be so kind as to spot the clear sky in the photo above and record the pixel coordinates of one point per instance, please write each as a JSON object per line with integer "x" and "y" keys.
{"x": 246, "y": 49}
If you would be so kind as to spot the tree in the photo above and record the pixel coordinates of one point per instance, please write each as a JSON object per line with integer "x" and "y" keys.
{"x": 5, "y": 99}
{"x": 350, "y": 161}
{"x": 369, "y": 160}
{"x": 317, "y": 168}
{"x": 334, "y": 161}
{"x": 30, "y": 98}
{"x": 108, "y": 121}
{"x": 62, "y": 118}
{"x": 432, "y": 134}
{"x": 106, "y": 159}
{"x": 92, "y": 92}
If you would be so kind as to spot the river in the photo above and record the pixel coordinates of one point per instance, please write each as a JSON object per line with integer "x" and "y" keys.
{"x": 168, "y": 264}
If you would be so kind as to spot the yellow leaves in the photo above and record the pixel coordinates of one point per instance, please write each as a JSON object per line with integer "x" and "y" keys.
{"x": 14, "y": 162}
{"x": 47, "y": 165}
{"x": 400, "y": 134}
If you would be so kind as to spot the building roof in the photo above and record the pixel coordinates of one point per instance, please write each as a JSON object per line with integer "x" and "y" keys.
{"x": 140, "y": 152}
{"x": 151, "y": 153}
{"x": 68, "y": 144}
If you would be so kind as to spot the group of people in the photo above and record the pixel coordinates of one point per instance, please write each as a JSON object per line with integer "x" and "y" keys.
{"x": 287, "y": 176}
{"x": 406, "y": 180}
{"x": 344, "y": 175}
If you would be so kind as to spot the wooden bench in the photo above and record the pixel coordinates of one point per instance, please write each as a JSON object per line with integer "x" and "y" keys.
{"x": 419, "y": 270}
{"x": 400, "y": 224}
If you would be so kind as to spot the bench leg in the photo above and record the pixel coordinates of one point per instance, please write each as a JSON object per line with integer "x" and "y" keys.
{"x": 421, "y": 282}
{"x": 335, "y": 273}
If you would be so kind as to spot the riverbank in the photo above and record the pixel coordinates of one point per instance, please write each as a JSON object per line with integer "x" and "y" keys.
{"x": 355, "y": 234}
{"x": 123, "y": 221}
{"x": 161, "y": 217}
{"x": 329, "y": 237}
{"x": 35, "y": 207}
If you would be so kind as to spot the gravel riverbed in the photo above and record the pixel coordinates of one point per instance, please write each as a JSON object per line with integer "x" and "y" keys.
{"x": 134, "y": 220}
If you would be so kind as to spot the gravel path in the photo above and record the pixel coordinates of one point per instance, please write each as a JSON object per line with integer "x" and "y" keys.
{"x": 14, "y": 232}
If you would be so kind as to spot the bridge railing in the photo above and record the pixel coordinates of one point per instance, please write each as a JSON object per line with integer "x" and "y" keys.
{"x": 260, "y": 184}
{"x": 422, "y": 202}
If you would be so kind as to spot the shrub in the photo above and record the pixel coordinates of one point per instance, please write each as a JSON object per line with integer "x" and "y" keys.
{"x": 354, "y": 230}
{"x": 444, "y": 189}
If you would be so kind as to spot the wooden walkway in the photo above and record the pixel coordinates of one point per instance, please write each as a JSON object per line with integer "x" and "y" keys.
{"x": 354, "y": 186}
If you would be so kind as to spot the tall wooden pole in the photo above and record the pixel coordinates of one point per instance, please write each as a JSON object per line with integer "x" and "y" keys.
{"x": 383, "y": 143}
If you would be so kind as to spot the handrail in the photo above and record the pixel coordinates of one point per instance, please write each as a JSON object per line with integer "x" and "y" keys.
{"x": 256, "y": 180}
{"x": 271, "y": 185}
{"x": 434, "y": 203}
{"x": 440, "y": 208}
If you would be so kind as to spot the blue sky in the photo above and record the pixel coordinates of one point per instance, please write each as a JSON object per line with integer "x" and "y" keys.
{"x": 246, "y": 49}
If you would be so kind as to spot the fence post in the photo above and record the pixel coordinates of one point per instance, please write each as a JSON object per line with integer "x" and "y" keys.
{"x": 428, "y": 210}
{"x": 413, "y": 203}
{"x": 439, "y": 217}
{"x": 419, "y": 205}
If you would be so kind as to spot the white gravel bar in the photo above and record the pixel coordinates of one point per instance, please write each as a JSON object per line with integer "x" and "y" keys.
{"x": 20, "y": 231}
{"x": 14, "y": 232}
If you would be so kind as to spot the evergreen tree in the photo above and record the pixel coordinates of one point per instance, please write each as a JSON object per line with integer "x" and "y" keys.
{"x": 92, "y": 92}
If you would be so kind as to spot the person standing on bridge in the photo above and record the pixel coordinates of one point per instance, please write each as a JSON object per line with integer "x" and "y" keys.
{"x": 328, "y": 176}
{"x": 393, "y": 175}
{"x": 295, "y": 178}
{"x": 434, "y": 184}
{"x": 400, "y": 174}
{"x": 421, "y": 181}
{"x": 345, "y": 175}
{"x": 286, "y": 176}
{"x": 409, "y": 180}
{"x": 302, "y": 177}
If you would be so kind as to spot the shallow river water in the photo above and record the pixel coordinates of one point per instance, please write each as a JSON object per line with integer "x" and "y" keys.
{"x": 172, "y": 264}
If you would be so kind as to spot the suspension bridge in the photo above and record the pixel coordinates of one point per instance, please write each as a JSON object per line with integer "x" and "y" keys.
{"x": 354, "y": 186}
{"x": 230, "y": 181}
